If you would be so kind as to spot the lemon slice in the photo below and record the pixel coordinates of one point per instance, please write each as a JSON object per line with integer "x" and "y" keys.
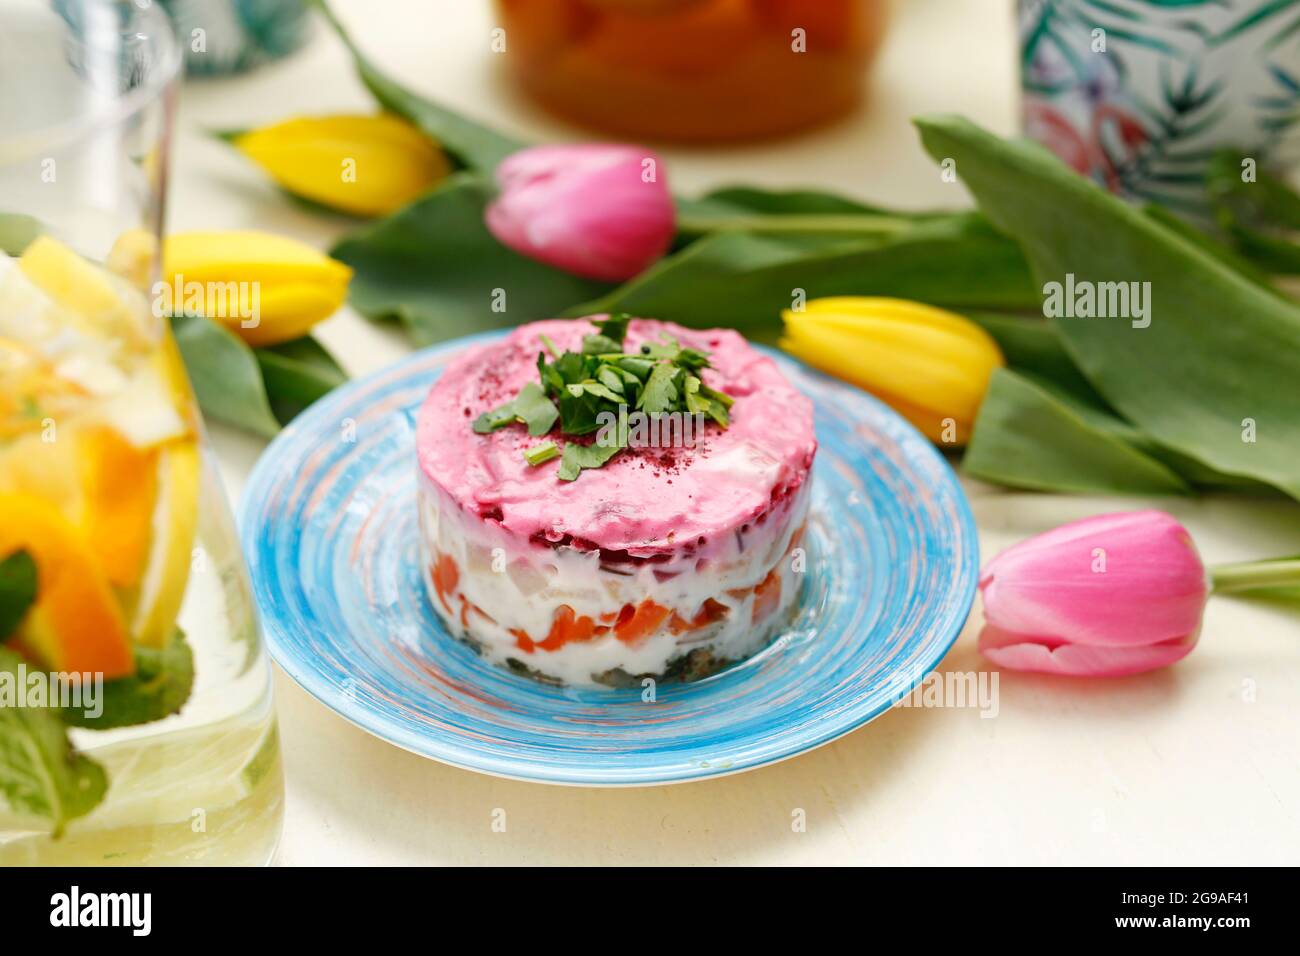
{"x": 57, "y": 304}
{"x": 153, "y": 606}
{"x": 145, "y": 410}
{"x": 76, "y": 350}
{"x": 108, "y": 302}
{"x": 133, "y": 256}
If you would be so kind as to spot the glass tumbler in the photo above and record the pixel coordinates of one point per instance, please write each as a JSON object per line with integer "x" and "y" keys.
{"x": 136, "y": 724}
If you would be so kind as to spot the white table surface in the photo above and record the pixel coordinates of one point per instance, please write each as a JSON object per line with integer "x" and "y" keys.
{"x": 1196, "y": 764}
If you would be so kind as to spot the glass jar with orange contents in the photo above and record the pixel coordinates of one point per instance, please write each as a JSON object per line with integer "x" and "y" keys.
{"x": 693, "y": 70}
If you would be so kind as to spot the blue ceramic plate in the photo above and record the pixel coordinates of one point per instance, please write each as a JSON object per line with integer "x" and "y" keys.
{"x": 329, "y": 527}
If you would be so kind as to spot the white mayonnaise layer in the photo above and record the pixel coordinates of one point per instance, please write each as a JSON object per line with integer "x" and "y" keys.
{"x": 519, "y": 585}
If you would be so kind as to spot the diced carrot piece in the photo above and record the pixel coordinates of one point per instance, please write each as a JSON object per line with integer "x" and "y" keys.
{"x": 796, "y": 538}
{"x": 710, "y": 611}
{"x": 445, "y": 576}
{"x": 625, "y": 614}
{"x": 645, "y": 620}
{"x": 567, "y": 627}
{"x": 767, "y": 595}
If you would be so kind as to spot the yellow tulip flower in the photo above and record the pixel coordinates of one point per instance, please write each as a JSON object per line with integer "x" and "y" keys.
{"x": 265, "y": 288}
{"x": 363, "y": 165}
{"x": 932, "y": 366}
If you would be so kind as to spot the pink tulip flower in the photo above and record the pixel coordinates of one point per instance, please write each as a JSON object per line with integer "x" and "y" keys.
{"x": 1103, "y": 597}
{"x": 598, "y": 211}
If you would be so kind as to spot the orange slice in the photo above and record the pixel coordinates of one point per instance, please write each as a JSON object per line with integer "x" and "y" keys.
{"x": 75, "y": 624}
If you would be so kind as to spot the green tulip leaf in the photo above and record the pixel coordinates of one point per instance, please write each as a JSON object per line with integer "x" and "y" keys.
{"x": 472, "y": 144}
{"x": 1033, "y": 348}
{"x": 258, "y": 390}
{"x": 743, "y": 280}
{"x": 790, "y": 202}
{"x": 1259, "y": 212}
{"x": 296, "y": 373}
{"x": 434, "y": 266}
{"x": 1220, "y": 356}
{"x": 224, "y": 372}
{"x": 1029, "y": 436}
{"x": 1033, "y": 345}
{"x": 1226, "y": 254}
{"x": 17, "y": 232}
{"x": 783, "y": 211}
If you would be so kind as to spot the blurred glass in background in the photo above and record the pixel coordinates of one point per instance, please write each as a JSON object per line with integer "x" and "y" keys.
{"x": 228, "y": 36}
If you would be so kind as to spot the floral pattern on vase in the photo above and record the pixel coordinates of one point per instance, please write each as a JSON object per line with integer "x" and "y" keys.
{"x": 1140, "y": 94}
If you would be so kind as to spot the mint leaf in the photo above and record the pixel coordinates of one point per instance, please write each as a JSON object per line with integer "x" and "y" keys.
{"x": 17, "y": 591}
{"x": 159, "y": 688}
{"x": 40, "y": 773}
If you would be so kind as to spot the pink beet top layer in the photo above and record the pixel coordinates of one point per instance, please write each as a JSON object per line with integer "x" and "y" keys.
{"x": 645, "y": 501}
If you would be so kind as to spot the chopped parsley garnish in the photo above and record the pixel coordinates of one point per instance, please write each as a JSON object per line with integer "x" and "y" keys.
{"x": 540, "y": 453}
{"x": 586, "y": 391}
{"x": 530, "y": 406}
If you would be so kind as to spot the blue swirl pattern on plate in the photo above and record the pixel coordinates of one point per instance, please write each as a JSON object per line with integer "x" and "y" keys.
{"x": 329, "y": 527}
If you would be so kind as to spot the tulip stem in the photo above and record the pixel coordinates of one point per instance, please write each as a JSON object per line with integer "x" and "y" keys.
{"x": 1256, "y": 575}
{"x": 857, "y": 225}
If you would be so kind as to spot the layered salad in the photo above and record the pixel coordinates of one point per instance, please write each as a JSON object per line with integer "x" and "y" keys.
{"x": 609, "y": 499}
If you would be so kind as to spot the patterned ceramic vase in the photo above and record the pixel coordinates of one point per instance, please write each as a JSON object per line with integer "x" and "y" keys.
{"x": 228, "y": 36}
{"x": 1140, "y": 94}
